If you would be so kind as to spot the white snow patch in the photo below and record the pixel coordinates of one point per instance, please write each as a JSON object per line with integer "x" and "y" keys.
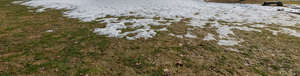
{"x": 209, "y": 37}
{"x": 40, "y": 10}
{"x": 113, "y": 28}
{"x": 247, "y": 29}
{"x": 143, "y": 34}
{"x": 189, "y": 35}
{"x": 285, "y": 31}
{"x": 293, "y": 6}
{"x": 233, "y": 49}
{"x": 199, "y": 23}
{"x": 17, "y": 2}
{"x": 178, "y": 36}
{"x": 228, "y": 42}
{"x": 291, "y": 32}
{"x": 163, "y": 29}
{"x": 258, "y": 25}
{"x": 50, "y": 31}
{"x": 170, "y": 11}
{"x": 274, "y": 32}
{"x": 225, "y": 31}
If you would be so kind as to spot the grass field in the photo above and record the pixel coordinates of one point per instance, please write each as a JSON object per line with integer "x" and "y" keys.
{"x": 72, "y": 49}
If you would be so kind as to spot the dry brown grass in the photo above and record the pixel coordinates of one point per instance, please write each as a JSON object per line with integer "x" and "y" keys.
{"x": 73, "y": 49}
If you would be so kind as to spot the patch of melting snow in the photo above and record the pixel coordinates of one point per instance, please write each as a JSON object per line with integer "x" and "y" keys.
{"x": 209, "y": 37}
{"x": 233, "y": 49}
{"x": 142, "y": 34}
{"x": 228, "y": 42}
{"x": 247, "y": 29}
{"x": 224, "y": 31}
{"x": 189, "y": 35}
{"x": 199, "y": 23}
{"x": 114, "y": 26}
{"x": 258, "y": 25}
{"x": 285, "y": 31}
{"x": 293, "y": 6}
{"x": 291, "y": 32}
{"x": 163, "y": 29}
{"x": 201, "y": 13}
{"x": 50, "y": 31}
{"x": 17, "y": 2}
{"x": 274, "y": 32}
{"x": 40, "y": 10}
{"x": 178, "y": 36}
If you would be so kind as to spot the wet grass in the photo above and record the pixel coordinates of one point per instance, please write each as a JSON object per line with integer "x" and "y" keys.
{"x": 72, "y": 49}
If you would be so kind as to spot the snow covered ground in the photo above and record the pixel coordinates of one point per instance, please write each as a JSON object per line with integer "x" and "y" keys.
{"x": 236, "y": 16}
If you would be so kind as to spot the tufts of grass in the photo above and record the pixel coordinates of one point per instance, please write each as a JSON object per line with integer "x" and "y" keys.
{"x": 73, "y": 49}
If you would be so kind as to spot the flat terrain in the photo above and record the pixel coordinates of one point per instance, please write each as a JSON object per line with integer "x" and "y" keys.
{"x": 254, "y": 1}
{"x": 50, "y": 44}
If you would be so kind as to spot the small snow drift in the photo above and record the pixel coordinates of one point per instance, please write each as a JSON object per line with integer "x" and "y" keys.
{"x": 144, "y": 14}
